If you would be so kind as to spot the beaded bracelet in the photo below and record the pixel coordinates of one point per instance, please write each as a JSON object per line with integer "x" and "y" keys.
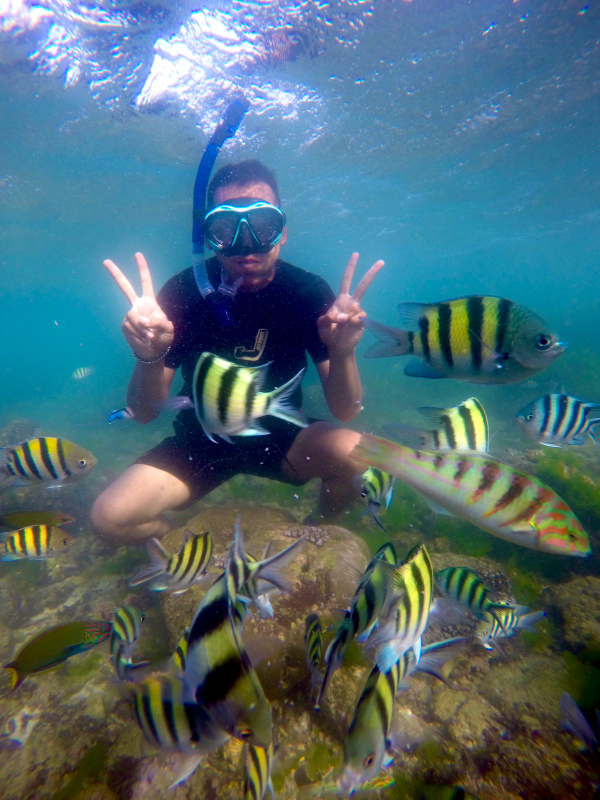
{"x": 155, "y": 360}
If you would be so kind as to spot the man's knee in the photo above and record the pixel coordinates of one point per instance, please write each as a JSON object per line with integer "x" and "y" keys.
{"x": 107, "y": 519}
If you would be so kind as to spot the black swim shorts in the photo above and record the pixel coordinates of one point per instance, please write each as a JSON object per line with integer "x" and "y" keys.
{"x": 198, "y": 462}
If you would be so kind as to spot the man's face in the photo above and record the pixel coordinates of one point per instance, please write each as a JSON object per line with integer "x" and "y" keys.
{"x": 256, "y": 269}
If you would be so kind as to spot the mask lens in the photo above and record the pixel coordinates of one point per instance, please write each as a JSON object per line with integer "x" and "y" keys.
{"x": 220, "y": 228}
{"x": 266, "y": 224}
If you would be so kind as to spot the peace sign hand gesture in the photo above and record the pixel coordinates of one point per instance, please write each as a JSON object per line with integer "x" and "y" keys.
{"x": 342, "y": 326}
{"x": 146, "y": 328}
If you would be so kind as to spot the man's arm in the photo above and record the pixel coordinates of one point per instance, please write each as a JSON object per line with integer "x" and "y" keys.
{"x": 341, "y": 385}
{"x": 148, "y": 388}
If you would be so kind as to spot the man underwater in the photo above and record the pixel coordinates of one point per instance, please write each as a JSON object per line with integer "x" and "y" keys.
{"x": 277, "y": 313}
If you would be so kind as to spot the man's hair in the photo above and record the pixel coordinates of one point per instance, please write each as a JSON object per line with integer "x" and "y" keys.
{"x": 250, "y": 171}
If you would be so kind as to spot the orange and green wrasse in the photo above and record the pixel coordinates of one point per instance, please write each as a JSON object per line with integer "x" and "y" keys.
{"x": 494, "y": 496}
{"x": 44, "y": 460}
{"x": 480, "y": 339}
{"x": 369, "y": 744}
{"x": 315, "y": 790}
{"x": 409, "y": 613}
{"x": 506, "y": 623}
{"x": 34, "y": 543}
{"x": 20, "y": 519}
{"x": 177, "y": 572}
{"x": 376, "y": 585}
{"x": 53, "y": 647}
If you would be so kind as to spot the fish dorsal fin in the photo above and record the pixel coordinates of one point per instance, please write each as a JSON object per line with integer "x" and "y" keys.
{"x": 187, "y": 535}
{"x": 411, "y": 313}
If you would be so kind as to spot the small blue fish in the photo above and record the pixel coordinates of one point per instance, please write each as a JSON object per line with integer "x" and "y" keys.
{"x": 120, "y": 413}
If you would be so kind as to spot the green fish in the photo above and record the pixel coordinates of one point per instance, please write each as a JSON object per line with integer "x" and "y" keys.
{"x": 377, "y": 488}
{"x": 312, "y": 642}
{"x": 34, "y": 543}
{"x": 408, "y": 616}
{"x": 44, "y": 460}
{"x": 369, "y": 743}
{"x": 180, "y": 571}
{"x": 478, "y": 339}
{"x": 494, "y": 496}
{"x": 512, "y": 619}
{"x": 366, "y": 607}
{"x": 126, "y": 622}
{"x": 21, "y": 519}
{"x": 258, "y": 762}
{"x": 314, "y": 790}
{"x": 464, "y": 587}
{"x": 462, "y": 427}
{"x": 218, "y": 669}
{"x": 53, "y": 647}
{"x": 172, "y": 723}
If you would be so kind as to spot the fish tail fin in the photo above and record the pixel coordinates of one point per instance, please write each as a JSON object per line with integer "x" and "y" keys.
{"x": 392, "y": 341}
{"x": 574, "y": 722}
{"x": 388, "y": 654}
{"x": 15, "y": 679}
{"x": 159, "y": 558}
{"x": 436, "y": 658}
{"x": 270, "y": 570}
{"x": 6, "y": 478}
{"x": 528, "y": 621}
{"x": 373, "y": 508}
{"x": 280, "y": 405}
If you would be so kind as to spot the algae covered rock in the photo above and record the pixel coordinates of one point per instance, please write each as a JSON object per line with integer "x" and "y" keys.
{"x": 576, "y": 606}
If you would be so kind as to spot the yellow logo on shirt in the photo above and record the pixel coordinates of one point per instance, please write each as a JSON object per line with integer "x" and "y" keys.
{"x": 244, "y": 354}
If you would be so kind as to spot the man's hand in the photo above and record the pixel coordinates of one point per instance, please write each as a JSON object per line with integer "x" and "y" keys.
{"x": 146, "y": 327}
{"x": 342, "y": 326}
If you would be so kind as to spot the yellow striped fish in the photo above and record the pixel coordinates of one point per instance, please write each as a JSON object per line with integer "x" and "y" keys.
{"x": 462, "y": 427}
{"x": 82, "y": 372}
{"x": 228, "y": 399}
{"x": 126, "y": 628}
{"x": 408, "y": 616}
{"x": 44, "y": 459}
{"x": 180, "y": 571}
{"x": 377, "y": 487}
{"x": 34, "y": 543}
{"x": 178, "y": 659}
{"x": 258, "y": 762}
{"x": 508, "y": 621}
{"x": 479, "y": 339}
{"x": 171, "y": 723}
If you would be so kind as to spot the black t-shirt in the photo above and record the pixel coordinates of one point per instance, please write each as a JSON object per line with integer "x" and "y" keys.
{"x": 277, "y": 324}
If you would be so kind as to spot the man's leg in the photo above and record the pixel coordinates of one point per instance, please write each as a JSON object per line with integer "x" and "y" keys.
{"x": 129, "y": 510}
{"x": 323, "y": 451}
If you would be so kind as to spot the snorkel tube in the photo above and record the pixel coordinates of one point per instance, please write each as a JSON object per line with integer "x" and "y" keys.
{"x": 225, "y": 130}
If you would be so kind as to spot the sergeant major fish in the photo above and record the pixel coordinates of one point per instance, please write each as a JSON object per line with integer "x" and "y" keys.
{"x": 43, "y": 460}
{"x": 366, "y": 607}
{"x": 557, "y": 419}
{"x": 82, "y": 372}
{"x": 495, "y": 497}
{"x": 217, "y": 667}
{"x": 462, "y": 427}
{"x": 478, "y": 339}
{"x": 171, "y": 722}
{"x": 511, "y": 620}
{"x": 126, "y": 627}
{"x": 34, "y": 543}
{"x": 369, "y": 743}
{"x": 180, "y": 571}
{"x": 258, "y": 763}
{"x": 409, "y": 614}
{"x": 377, "y": 487}
{"x": 228, "y": 400}
{"x": 313, "y": 646}
{"x": 466, "y": 588}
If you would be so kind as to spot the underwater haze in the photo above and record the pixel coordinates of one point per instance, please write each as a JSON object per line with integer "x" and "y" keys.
{"x": 457, "y": 140}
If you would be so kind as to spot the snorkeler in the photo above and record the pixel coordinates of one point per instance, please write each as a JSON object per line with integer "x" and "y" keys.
{"x": 273, "y": 314}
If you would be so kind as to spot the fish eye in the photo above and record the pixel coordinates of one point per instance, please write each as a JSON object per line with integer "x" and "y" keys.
{"x": 142, "y": 617}
{"x": 82, "y": 462}
{"x": 571, "y": 536}
{"x": 65, "y": 542}
{"x": 245, "y": 734}
{"x": 363, "y": 493}
{"x": 529, "y": 417}
{"x": 369, "y": 760}
{"x": 543, "y": 341}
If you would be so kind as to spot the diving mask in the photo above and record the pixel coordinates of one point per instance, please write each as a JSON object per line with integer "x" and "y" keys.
{"x": 243, "y": 226}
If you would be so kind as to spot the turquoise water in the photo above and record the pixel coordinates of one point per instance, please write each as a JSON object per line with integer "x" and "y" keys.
{"x": 456, "y": 140}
